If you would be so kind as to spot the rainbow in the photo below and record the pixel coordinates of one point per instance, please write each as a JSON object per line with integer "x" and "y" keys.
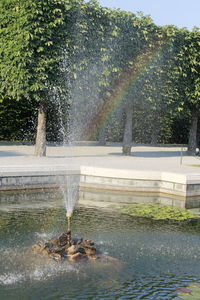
{"x": 126, "y": 81}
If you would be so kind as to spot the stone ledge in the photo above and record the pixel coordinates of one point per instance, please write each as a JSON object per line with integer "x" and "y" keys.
{"x": 102, "y": 178}
{"x": 35, "y": 171}
{"x": 31, "y": 181}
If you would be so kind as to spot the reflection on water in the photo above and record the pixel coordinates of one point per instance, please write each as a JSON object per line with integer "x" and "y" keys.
{"x": 156, "y": 257}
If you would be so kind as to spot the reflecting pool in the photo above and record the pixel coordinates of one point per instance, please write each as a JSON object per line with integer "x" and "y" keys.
{"x": 155, "y": 258}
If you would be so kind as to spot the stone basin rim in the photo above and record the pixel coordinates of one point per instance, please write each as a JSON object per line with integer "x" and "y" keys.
{"x": 104, "y": 178}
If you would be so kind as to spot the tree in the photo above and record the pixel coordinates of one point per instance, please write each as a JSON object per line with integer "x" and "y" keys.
{"x": 86, "y": 56}
{"x": 157, "y": 90}
{"x": 189, "y": 81}
{"x": 32, "y": 34}
{"x": 17, "y": 119}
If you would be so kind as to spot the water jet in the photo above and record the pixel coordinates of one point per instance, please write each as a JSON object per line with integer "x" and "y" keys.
{"x": 69, "y": 216}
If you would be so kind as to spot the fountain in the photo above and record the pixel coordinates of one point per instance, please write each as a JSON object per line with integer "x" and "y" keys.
{"x": 69, "y": 216}
{"x": 65, "y": 247}
{"x": 156, "y": 257}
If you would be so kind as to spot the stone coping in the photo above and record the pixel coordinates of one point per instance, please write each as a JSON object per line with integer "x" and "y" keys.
{"x": 105, "y": 178}
{"x": 185, "y": 188}
{"x": 162, "y": 169}
{"x": 23, "y": 172}
{"x": 190, "y": 178}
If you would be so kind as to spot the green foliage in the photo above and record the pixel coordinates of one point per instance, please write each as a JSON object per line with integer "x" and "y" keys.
{"x": 82, "y": 50}
{"x": 31, "y": 43}
{"x": 157, "y": 212}
{"x": 17, "y": 119}
{"x": 189, "y": 68}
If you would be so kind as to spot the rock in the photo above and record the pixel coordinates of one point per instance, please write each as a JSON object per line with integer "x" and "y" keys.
{"x": 93, "y": 257}
{"x": 65, "y": 247}
{"x": 62, "y": 240}
{"x": 54, "y": 242}
{"x": 55, "y": 256}
{"x": 90, "y": 250}
{"x": 36, "y": 248}
{"x": 75, "y": 241}
{"x": 89, "y": 242}
{"x": 77, "y": 257}
{"x": 41, "y": 244}
{"x": 79, "y": 241}
{"x": 72, "y": 250}
{"x": 81, "y": 249}
{"x": 49, "y": 245}
{"x": 46, "y": 251}
{"x": 65, "y": 239}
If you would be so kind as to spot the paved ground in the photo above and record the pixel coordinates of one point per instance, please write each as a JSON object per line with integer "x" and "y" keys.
{"x": 16, "y": 158}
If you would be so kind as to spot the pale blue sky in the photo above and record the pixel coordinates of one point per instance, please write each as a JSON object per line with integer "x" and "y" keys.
{"x": 181, "y": 13}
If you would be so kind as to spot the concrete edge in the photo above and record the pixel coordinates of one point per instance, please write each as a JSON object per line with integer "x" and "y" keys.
{"x": 135, "y": 174}
{"x": 102, "y": 178}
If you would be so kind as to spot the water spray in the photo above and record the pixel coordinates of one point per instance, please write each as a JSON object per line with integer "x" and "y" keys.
{"x": 69, "y": 216}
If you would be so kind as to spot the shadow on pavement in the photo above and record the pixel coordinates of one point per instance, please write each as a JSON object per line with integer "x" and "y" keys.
{"x": 11, "y": 153}
{"x": 149, "y": 154}
{"x": 76, "y": 156}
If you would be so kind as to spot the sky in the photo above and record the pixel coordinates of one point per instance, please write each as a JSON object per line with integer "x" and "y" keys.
{"x": 181, "y": 13}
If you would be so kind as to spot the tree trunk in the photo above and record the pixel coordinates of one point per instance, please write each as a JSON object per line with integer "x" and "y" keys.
{"x": 102, "y": 137}
{"x": 155, "y": 132}
{"x": 154, "y": 138}
{"x": 192, "y": 143}
{"x": 198, "y": 137}
{"x": 40, "y": 145}
{"x": 128, "y": 135}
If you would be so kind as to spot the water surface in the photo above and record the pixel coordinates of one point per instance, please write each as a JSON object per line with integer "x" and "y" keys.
{"x": 155, "y": 258}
